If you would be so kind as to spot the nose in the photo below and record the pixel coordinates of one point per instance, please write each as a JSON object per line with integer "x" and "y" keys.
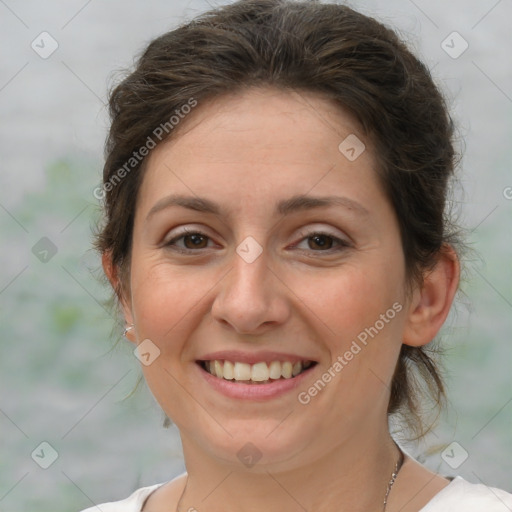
{"x": 251, "y": 297}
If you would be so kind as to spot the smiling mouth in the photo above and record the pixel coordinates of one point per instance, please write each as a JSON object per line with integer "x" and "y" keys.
{"x": 259, "y": 373}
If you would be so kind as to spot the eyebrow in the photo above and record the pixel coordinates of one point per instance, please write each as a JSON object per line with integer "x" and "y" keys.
{"x": 283, "y": 207}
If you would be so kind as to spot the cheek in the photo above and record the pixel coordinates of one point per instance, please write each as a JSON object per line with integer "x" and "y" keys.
{"x": 362, "y": 308}
{"x": 352, "y": 299}
{"x": 163, "y": 298}
{"x": 363, "y": 313}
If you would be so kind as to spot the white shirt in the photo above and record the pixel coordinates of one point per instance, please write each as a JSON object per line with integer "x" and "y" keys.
{"x": 458, "y": 496}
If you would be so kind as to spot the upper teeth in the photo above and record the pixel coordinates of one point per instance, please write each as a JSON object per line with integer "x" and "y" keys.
{"x": 258, "y": 372}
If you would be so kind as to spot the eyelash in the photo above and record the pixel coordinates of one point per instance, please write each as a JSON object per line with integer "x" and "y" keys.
{"x": 342, "y": 244}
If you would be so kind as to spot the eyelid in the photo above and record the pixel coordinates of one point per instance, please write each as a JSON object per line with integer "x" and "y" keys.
{"x": 316, "y": 229}
{"x": 185, "y": 230}
{"x": 182, "y": 233}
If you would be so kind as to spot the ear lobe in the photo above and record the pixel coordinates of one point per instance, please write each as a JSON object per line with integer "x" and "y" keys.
{"x": 112, "y": 273}
{"x": 432, "y": 302}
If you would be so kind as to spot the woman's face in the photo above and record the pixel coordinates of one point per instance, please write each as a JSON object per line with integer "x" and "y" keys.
{"x": 266, "y": 275}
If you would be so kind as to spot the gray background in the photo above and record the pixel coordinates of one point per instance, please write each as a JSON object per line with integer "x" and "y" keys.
{"x": 64, "y": 382}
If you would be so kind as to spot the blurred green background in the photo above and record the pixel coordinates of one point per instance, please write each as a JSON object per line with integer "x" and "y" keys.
{"x": 63, "y": 378}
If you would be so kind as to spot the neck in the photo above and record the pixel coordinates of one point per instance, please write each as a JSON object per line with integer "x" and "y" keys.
{"x": 353, "y": 476}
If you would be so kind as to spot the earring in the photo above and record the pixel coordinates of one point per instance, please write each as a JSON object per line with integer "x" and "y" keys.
{"x": 127, "y": 329}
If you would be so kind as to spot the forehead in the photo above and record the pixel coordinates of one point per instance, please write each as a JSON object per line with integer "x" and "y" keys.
{"x": 261, "y": 142}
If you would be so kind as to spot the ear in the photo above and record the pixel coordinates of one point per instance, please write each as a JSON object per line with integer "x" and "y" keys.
{"x": 431, "y": 303}
{"x": 112, "y": 273}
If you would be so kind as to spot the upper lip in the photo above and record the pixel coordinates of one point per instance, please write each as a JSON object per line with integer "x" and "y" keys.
{"x": 253, "y": 357}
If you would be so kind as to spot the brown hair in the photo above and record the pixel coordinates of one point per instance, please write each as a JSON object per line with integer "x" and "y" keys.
{"x": 328, "y": 49}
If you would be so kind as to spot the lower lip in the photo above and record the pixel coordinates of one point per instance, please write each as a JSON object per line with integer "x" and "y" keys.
{"x": 257, "y": 392}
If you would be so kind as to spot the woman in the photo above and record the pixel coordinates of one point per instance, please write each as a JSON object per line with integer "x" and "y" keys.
{"x": 277, "y": 237}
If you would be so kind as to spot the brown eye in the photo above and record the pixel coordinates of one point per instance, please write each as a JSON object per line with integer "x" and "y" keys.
{"x": 191, "y": 240}
{"x": 196, "y": 241}
{"x": 321, "y": 241}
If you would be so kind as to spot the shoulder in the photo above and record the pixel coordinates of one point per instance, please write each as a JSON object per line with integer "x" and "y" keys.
{"x": 133, "y": 503}
{"x": 461, "y": 495}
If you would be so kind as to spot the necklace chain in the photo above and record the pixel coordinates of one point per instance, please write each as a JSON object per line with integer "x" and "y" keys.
{"x": 398, "y": 465}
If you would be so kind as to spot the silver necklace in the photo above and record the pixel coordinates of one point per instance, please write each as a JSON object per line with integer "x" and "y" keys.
{"x": 398, "y": 465}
